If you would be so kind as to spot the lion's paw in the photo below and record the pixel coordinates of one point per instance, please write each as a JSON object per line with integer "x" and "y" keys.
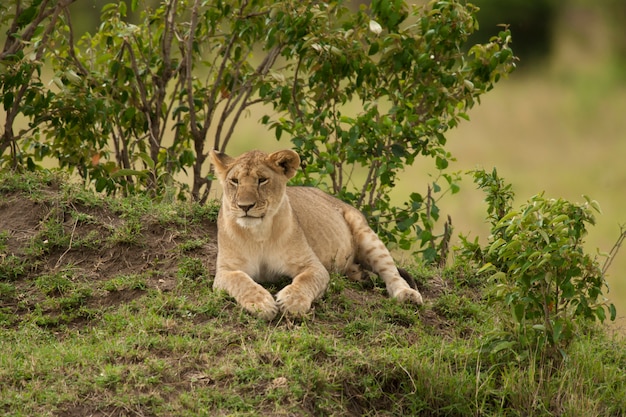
{"x": 410, "y": 295}
{"x": 292, "y": 302}
{"x": 261, "y": 304}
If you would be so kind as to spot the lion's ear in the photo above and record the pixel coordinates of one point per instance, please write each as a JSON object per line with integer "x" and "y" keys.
{"x": 286, "y": 161}
{"x": 221, "y": 162}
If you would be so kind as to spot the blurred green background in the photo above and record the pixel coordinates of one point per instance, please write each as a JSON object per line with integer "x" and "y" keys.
{"x": 558, "y": 124}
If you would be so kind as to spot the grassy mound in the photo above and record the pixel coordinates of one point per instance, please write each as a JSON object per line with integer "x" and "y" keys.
{"x": 106, "y": 309}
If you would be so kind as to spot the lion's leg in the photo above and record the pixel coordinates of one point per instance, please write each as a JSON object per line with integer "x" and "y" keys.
{"x": 372, "y": 251}
{"x": 297, "y": 297}
{"x": 250, "y": 295}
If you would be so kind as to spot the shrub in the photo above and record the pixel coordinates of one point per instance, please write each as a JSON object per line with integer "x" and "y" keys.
{"x": 541, "y": 270}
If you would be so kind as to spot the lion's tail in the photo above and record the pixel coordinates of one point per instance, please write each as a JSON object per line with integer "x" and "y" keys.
{"x": 373, "y": 253}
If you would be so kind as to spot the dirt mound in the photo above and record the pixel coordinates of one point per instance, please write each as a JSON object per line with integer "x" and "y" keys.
{"x": 55, "y": 245}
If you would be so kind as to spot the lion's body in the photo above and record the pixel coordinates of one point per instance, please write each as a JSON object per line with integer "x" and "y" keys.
{"x": 267, "y": 231}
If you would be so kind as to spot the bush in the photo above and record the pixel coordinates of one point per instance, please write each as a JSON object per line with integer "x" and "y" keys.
{"x": 541, "y": 270}
{"x": 132, "y": 104}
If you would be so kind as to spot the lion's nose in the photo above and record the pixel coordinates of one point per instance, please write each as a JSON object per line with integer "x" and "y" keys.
{"x": 246, "y": 207}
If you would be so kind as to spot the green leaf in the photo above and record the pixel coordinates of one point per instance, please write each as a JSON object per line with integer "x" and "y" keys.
{"x": 600, "y": 313}
{"x": 568, "y": 290}
{"x": 278, "y": 131}
{"x": 441, "y": 163}
{"x": 503, "y": 345}
{"x": 518, "y": 312}
{"x": 544, "y": 235}
{"x": 486, "y": 267}
{"x": 7, "y": 100}
{"x": 374, "y": 48}
{"x": 147, "y": 159}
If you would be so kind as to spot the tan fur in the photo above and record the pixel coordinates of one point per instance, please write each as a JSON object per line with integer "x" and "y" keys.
{"x": 267, "y": 230}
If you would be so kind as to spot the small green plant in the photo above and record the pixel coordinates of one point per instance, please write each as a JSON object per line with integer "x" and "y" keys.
{"x": 75, "y": 300}
{"x": 541, "y": 270}
{"x": 208, "y": 211}
{"x": 7, "y": 291}
{"x": 11, "y": 268}
{"x": 452, "y": 306}
{"x": 92, "y": 240}
{"x": 51, "y": 236}
{"x": 55, "y": 284}
{"x": 192, "y": 244}
{"x": 4, "y": 237}
{"x": 191, "y": 268}
{"x": 499, "y": 196}
{"x": 130, "y": 232}
{"x": 125, "y": 282}
{"x": 81, "y": 217}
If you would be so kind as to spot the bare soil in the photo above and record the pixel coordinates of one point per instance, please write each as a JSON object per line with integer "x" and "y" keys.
{"x": 154, "y": 254}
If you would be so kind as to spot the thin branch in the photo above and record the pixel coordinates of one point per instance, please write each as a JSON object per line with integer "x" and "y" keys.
{"x": 294, "y": 96}
{"x": 72, "y": 50}
{"x": 213, "y": 94}
{"x": 231, "y": 128}
{"x": 168, "y": 72}
{"x": 245, "y": 92}
{"x": 445, "y": 242}
{"x": 615, "y": 249}
{"x": 376, "y": 166}
{"x": 146, "y": 107}
{"x": 368, "y": 179}
{"x": 198, "y": 139}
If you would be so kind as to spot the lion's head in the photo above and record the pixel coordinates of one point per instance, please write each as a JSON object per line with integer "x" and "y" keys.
{"x": 254, "y": 183}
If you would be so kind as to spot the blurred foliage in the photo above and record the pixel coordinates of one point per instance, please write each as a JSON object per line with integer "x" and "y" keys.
{"x": 531, "y": 23}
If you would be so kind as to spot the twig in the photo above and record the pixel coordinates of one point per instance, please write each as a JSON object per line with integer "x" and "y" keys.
{"x": 444, "y": 247}
{"x": 69, "y": 246}
{"x": 615, "y": 249}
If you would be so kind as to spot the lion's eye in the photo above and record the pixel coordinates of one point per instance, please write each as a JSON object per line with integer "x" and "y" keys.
{"x": 263, "y": 181}
{"x": 234, "y": 181}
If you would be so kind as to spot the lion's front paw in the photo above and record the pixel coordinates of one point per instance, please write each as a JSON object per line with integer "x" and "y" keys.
{"x": 409, "y": 294}
{"x": 292, "y": 302}
{"x": 260, "y": 303}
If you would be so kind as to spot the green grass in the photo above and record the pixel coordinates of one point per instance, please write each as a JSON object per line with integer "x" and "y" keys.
{"x": 167, "y": 356}
{"x": 132, "y": 327}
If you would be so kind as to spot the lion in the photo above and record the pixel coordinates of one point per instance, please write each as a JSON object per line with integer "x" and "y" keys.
{"x": 268, "y": 231}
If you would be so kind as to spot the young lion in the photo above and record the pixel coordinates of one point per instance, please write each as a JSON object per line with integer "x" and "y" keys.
{"x": 267, "y": 230}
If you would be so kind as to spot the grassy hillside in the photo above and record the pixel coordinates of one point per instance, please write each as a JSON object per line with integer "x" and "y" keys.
{"x": 106, "y": 309}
